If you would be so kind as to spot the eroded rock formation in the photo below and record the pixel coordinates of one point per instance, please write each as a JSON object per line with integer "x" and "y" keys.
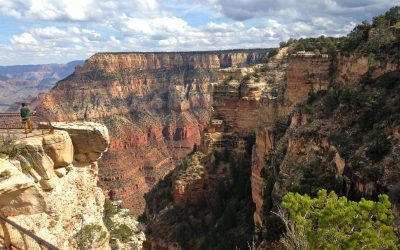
{"x": 155, "y": 105}
{"x": 45, "y": 190}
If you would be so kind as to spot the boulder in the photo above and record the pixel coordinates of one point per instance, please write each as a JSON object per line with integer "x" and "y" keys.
{"x": 60, "y": 172}
{"x": 90, "y": 139}
{"x": 32, "y": 150}
{"x": 18, "y": 193}
{"x": 59, "y": 147}
{"x": 47, "y": 184}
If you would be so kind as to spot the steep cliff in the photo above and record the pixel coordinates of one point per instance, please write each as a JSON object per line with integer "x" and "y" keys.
{"x": 49, "y": 185}
{"x": 342, "y": 139}
{"x": 215, "y": 183}
{"x": 317, "y": 125}
{"x": 155, "y": 104}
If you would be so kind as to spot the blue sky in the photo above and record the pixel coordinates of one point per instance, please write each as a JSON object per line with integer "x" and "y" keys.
{"x": 58, "y": 31}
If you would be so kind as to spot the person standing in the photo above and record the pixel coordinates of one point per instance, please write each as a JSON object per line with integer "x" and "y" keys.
{"x": 26, "y": 120}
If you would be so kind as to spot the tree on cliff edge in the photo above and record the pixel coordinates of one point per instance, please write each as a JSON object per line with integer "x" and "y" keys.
{"x": 332, "y": 222}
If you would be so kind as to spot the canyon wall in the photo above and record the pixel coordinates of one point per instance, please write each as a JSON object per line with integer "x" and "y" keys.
{"x": 50, "y": 186}
{"x": 324, "y": 144}
{"x": 155, "y": 105}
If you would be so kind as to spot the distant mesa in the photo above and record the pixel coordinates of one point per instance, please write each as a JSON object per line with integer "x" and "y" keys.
{"x": 23, "y": 83}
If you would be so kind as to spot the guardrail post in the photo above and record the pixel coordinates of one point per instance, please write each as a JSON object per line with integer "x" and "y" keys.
{"x": 7, "y": 239}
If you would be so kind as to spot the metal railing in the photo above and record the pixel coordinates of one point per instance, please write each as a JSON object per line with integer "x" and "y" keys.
{"x": 10, "y": 122}
{"x": 13, "y": 236}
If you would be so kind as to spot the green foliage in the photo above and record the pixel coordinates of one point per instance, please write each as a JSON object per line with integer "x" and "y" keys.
{"x": 160, "y": 196}
{"x": 25, "y": 167}
{"x": 121, "y": 232}
{"x": 332, "y": 222}
{"x": 372, "y": 111}
{"x": 366, "y": 79}
{"x": 88, "y": 237}
{"x": 9, "y": 150}
{"x": 322, "y": 44}
{"x": 351, "y": 97}
{"x": 342, "y": 143}
{"x": 109, "y": 211}
{"x": 378, "y": 145}
{"x": 389, "y": 80}
{"x": 331, "y": 100}
{"x": 315, "y": 176}
{"x": 272, "y": 53}
{"x": 275, "y": 227}
{"x": 376, "y": 38}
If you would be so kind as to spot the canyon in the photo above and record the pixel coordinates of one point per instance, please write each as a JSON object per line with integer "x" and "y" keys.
{"x": 24, "y": 83}
{"x": 160, "y": 107}
{"x": 156, "y": 106}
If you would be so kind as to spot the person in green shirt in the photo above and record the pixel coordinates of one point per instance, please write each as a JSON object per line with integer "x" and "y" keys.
{"x": 26, "y": 120}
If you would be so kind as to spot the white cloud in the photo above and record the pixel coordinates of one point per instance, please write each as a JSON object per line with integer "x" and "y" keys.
{"x": 75, "y": 10}
{"x": 155, "y": 26}
{"x": 170, "y": 41}
{"x": 61, "y": 30}
{"x": 23, "y": 39}
{"x": 49, "y": 32}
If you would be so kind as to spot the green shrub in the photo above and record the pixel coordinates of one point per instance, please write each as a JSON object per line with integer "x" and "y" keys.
{"x": 25, "y": 168}
{"x": 366, "y": 79}
{"x": 351, "y": 97}
{"x": 122, "y": 232}
{"x": 272, "y": 53}
{"x": 88, "y": 236}
{"x": 389, "y": 80}
{"x": 331, "y": 100}
{"x": 378, "y": 146}
{"x": 342, "y": 143}
{"x": 274, "y": 227}
{"x": 332, "y": 222}
{"x": 373, "y": 110}
{"x": 109, "y": 211}
{"x": 10, "y": 151}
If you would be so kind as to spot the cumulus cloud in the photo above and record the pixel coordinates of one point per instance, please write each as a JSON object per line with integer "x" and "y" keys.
{"x": 61, "y": 30}
{"x": 23, "y": 39}
{"x": 75, "y": 10}
{"x": 243, "y": 10}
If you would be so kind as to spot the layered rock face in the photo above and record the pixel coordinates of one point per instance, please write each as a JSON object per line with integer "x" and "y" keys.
{"x": 300, "y": 76}
{"x": 315, "y": 147}
{"x": 306, "y": 74}
{"x": 155, "y": 105}
{"x": 51, "y": 190}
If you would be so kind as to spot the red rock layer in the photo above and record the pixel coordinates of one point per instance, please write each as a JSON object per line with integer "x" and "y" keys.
{"x": 154, "y": 104}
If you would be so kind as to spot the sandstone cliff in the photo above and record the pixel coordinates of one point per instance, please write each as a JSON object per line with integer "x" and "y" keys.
{"x": 50, "y": 185}
{"x": 342, "y": 139}
{"x": 155, "y": 104}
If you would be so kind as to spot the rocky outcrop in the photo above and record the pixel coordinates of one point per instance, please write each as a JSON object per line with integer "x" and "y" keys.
{"x": 155, "y": 105}
{"x": 44, "y": 190}
{"x": 351, "y": 68}
{"x": 89, "y": 139}
{"x": 111, "y": 62}
{"x": 305, "y": 74}
{"x": 18, "y": 193}
{"x": 188, "y": 184}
